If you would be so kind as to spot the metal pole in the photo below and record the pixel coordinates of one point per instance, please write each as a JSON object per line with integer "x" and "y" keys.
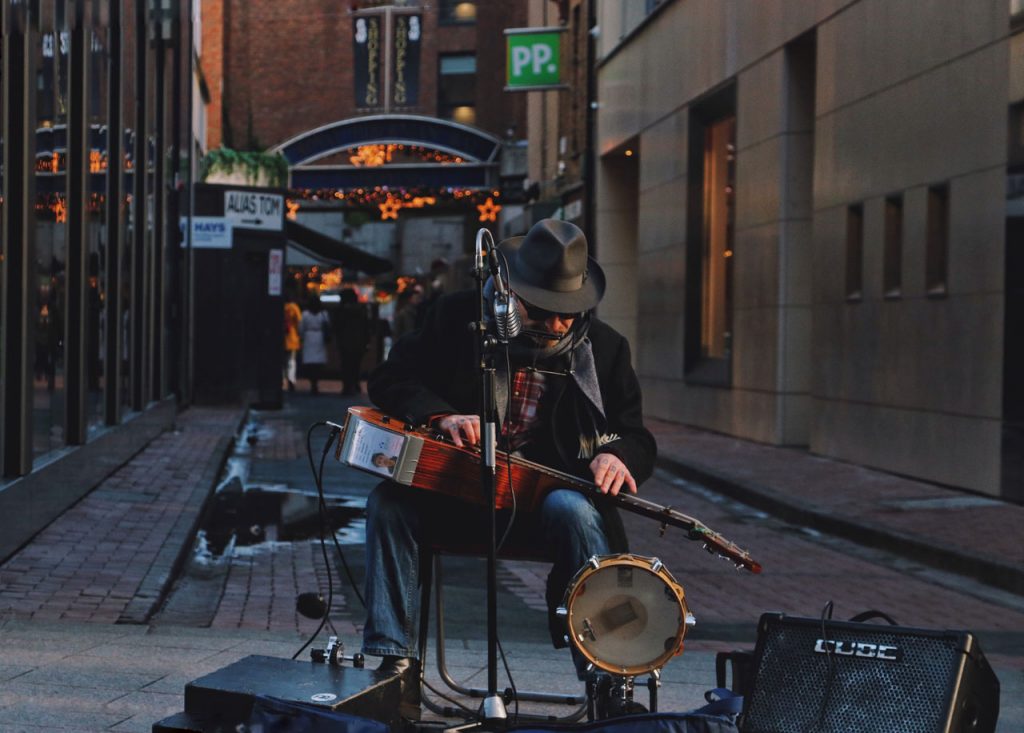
{"x": 18, "y": 233}
{"x": 115, "y": 222}
{"x": 77, "y": 172}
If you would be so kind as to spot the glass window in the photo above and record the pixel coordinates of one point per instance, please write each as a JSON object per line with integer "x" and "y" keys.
{"x": 937, "y": 239}
{"x": 460, "y": 64}
{"x": 893, "y": 255}
{"x": 128, "y": 110}
{"x": 716, "y": 270}
{"x": 855, "y": 252}
{"x": 96, "y": 236}
{"x": 458, "y": 11}
{"x": 711, "y": 205}
{"x": 51, "y": 230}
{"x": 456, "y": 88}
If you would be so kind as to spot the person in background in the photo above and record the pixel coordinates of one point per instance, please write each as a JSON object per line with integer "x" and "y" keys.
{"x": 439, "y": 272}
{"x": 352, "y": 326}
{"x": 406, "y": 309}
{"x": 314, "y": 330}
{"x": 292, "y": 342}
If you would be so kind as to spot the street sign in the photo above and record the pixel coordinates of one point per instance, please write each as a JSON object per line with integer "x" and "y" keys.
{"x": 254, "y": 210}
{"x": 533, "y": 59}
{"x": 208, "y": 232}
{"x": 275, "y": 266}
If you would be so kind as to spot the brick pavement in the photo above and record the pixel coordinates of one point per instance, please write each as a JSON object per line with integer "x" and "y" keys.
{"x": 802, "y": 570}
{"x": 955, "y": 530}
{"x": 109, "y": 557}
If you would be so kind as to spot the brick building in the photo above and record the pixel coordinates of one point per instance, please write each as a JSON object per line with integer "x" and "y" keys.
{"x": 392, "y": 115}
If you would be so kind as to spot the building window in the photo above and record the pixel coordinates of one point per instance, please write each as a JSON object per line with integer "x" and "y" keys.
{"x": 937, "y": 240}
{"x": 855, "y": 252}
{"x": 892, "y": 275}
{"x": 457, "y": 11}
{"x": 456, "y": 88}
{"x": 719, "y": 165}
{"x": 712, "y": 168}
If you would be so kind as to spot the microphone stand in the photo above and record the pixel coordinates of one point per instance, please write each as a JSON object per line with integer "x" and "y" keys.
{"x": 494, "y": 713}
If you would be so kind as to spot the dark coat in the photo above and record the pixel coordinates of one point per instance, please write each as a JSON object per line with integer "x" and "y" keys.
{"x": 434, "y": 371}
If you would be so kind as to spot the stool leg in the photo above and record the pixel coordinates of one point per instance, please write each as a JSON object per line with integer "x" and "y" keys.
{"x": 426, "y": 578}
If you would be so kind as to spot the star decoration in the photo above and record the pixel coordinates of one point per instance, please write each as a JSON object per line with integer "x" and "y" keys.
{"x": 488, "y": 210}
{"x": 389, "y": 208}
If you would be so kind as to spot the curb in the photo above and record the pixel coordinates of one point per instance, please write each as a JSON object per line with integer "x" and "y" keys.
{"x": 1004, "y": 576}
{"x": 157, "y": 583}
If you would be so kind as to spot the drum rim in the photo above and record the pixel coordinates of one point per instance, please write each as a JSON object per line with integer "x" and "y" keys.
{"x": 651, "y": 565}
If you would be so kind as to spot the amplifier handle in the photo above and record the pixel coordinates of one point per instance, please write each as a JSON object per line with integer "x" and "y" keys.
{"x": 868, "y": 615}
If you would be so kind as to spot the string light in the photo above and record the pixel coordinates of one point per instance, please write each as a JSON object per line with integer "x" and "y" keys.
{"x": 371, "y": 156}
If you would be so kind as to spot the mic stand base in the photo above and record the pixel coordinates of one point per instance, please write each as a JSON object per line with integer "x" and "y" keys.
{"x": 493, "y": 711}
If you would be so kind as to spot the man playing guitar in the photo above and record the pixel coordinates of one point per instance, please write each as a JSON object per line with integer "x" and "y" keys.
{"x": 568, "y": 398}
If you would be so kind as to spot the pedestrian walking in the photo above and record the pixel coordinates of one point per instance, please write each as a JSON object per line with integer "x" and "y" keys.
{"x": 292, "y": 340}
{"x": 314, "y": 330}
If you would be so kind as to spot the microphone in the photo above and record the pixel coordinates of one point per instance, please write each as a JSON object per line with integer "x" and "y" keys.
{"x": 507, "y": 321}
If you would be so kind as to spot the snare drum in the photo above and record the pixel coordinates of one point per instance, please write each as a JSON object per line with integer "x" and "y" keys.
{"x": 626, "y": 614}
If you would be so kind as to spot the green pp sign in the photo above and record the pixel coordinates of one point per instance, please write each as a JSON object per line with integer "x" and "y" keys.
{"x": 533, "y": 58}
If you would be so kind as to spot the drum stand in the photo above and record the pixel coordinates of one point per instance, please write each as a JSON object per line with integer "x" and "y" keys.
{"x": 620, "y": 686}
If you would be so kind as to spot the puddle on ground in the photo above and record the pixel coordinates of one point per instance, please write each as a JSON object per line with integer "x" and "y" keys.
{"x": 247, "y": 517}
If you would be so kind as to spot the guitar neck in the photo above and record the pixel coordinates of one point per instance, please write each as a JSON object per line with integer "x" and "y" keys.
{"x": 695, "y": 529}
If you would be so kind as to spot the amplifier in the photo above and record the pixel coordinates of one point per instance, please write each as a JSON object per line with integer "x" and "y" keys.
{"x": 811, "y": 676}
{"x": 222, "y": 700}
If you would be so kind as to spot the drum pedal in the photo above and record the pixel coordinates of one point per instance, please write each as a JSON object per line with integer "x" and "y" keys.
{"x": 334, "y": 653}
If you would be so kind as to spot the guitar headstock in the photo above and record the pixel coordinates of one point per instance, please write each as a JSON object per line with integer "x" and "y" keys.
{"x": 718, "y": 545}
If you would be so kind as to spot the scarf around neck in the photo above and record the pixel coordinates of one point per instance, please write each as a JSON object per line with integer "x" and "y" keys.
{"x": 571, "y": 356}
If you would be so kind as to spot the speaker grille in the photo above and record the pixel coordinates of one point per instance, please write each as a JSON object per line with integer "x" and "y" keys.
{"x": 864, "y": 694}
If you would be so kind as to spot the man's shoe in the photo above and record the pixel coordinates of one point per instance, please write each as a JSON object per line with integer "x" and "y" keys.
{"x": 409, "y": 671}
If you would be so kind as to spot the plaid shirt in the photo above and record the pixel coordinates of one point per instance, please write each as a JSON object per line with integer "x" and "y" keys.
{"x": 527, "y": 389}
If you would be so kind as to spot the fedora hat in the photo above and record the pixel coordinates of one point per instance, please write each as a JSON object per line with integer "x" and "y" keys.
{"x": 550, "y": 268}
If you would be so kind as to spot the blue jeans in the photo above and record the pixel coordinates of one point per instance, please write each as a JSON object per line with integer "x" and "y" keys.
{"x": 401, "y": 520}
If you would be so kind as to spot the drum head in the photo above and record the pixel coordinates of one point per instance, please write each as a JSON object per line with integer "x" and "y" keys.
{"x": 626, "y": 615}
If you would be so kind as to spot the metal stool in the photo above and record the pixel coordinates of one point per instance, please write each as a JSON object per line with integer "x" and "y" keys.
{"x": 431, "y": 572}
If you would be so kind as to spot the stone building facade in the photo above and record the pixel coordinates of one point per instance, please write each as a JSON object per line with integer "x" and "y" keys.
{"x": 811, "y": 212}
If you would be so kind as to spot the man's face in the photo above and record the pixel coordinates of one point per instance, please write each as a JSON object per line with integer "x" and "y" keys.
{"x": 537, "y": 319}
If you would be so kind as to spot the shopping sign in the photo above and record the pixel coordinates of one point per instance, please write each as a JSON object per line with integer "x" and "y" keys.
{"x": 533, "y": 59}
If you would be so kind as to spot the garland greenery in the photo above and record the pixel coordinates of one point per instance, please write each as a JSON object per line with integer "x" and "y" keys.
{"x": 226, "y": 160}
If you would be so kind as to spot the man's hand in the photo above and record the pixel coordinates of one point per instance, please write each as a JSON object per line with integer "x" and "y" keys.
{"x": 458, "y": 427}
{"x": 610, "y": 474}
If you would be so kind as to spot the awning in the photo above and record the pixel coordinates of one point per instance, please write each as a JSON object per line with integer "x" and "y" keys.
{"x": 334, "y": 251}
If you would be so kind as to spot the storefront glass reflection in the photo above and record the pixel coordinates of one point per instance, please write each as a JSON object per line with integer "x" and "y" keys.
{"x": 51, "y": 230}
{"x": 96, "y": 231}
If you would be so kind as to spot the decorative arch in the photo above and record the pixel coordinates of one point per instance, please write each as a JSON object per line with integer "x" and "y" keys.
{"x": 478, "y": 154}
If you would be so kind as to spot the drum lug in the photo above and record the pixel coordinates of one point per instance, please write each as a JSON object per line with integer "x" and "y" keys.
{"x": 691, "y": 620}
{"x": 656, "y": 565}
{"x": 594, "y": 562}
{"x": 561, "y": 611}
